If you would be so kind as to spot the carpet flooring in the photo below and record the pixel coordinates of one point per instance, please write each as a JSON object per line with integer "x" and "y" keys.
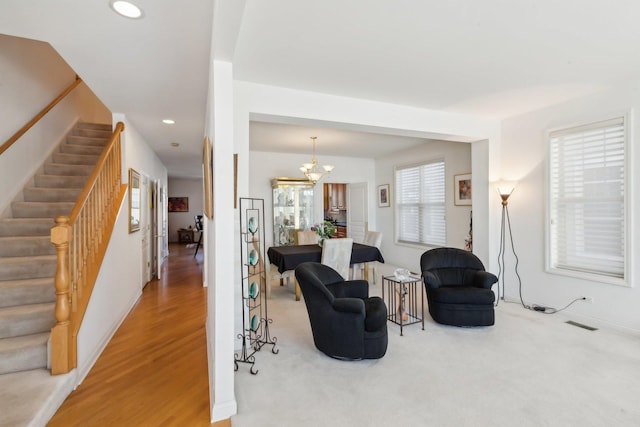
{"x": 530, "y": 369}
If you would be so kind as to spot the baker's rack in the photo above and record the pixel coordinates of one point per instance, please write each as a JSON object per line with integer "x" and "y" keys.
{"x": 255, "y": 318}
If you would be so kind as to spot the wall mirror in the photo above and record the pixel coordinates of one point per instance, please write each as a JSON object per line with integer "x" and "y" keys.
{"x": 134, "y": 201}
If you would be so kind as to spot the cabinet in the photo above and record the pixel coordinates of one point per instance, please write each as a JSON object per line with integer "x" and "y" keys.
{"x": 335, "y": 197}
{"x": 292, "y": 209}
{"x": 185, "y": 235}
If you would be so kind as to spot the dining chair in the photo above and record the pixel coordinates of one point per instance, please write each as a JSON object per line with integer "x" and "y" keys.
{"x": 307, "y": 237}
{"x": 336, "y": 253}
{"x": 371, "y": 238}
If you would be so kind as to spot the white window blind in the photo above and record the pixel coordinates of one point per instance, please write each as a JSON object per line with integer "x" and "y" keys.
{"x": 587, "y": 208}
{"x": 420, "y": 204}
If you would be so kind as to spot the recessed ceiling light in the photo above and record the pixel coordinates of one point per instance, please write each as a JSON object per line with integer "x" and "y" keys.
{"x": 168, "y": 121}
{"x": 175, "y": 144}
{"x": 126, "y": 9}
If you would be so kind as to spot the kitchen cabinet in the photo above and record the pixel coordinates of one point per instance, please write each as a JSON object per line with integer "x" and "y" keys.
{"x": 292, "y": 209}
{"x": 335, "y": 197}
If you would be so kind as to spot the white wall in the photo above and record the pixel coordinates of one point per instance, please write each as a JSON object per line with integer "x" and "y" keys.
{"x": 32, "y": 74}
{"x": 457, "y": 158}
{"x": 220, "y": 268}
{"x": 523, "y": 158}
{"x": 264, "y": 166}
{"x": 120, "y": 280}
{"x": 191, "y": 188}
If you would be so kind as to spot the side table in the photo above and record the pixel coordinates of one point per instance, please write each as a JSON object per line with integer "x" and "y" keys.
{"x": 402, "y": 300}
{"x": 185, "y": 235}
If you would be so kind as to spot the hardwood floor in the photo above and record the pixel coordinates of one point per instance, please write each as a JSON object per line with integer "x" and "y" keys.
{"x": 154, "y": 370}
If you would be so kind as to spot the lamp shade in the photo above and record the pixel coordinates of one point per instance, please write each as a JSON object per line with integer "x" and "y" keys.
{"x": 505, "y": 188}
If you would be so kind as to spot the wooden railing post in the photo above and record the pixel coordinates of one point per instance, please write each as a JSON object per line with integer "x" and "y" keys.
{"x": 61, "y": 359}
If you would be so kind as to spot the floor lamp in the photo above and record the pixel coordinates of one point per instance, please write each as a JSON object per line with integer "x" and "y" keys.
{"x": 504, "y": 190}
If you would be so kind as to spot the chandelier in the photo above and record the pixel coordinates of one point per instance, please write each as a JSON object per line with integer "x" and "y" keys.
{"x": 312, "y": 171}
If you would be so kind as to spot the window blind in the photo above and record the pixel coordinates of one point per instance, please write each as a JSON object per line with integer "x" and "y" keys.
{"x": 420, "y": 204}
{"x": 587, "y": 208}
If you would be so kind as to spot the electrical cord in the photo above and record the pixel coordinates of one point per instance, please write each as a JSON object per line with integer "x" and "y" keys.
{"x": 551, "y": 310}
{"x": 501, "y": 270}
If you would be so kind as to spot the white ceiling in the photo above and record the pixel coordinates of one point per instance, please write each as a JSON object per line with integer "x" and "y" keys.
{"x": 283, "y": 138}
{"x": 494, "y": 58}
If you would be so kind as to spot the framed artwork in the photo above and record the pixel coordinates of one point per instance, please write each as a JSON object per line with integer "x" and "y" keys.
{"x": 207, "y": 171}
{"x": 462, "y": 190}
{"x": 134, "y": 201}
{"x": 384, "y": 196}
{"x": 178, "y": 204}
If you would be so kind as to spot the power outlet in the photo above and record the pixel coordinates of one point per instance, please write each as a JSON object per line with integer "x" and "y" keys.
{"x": 588, "y": 299}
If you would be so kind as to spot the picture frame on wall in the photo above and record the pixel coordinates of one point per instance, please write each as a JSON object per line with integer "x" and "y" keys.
{"x": 207, "y": 164}
{"x": 462, "y": 189}
{"x": 384, "y": 196}
{"x": 134, "y": 200}
{"x": 178, "y": 204}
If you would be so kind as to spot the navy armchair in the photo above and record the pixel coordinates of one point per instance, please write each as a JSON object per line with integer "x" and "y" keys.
{"x": 458, "y": 288}
{"x": 346, "y": 323}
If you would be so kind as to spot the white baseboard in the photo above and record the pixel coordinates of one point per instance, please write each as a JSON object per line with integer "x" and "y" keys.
{"x": 219, "y": 410}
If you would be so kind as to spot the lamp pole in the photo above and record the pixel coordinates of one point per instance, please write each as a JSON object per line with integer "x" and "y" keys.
{"x": 505, "y": 191}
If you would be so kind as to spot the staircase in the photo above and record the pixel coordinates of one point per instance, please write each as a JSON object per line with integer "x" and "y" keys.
{"x": 27, "y": 257}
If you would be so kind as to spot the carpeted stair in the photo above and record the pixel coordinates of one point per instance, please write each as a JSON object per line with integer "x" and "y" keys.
{"x": 27, "y": 257}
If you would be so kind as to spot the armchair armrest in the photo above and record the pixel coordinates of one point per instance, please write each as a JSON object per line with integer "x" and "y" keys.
{"x": 349, "y": 305}
{"x": 430, "y": 280}
{"x": 484, "y": 279}
{"x": 350, "y": 289}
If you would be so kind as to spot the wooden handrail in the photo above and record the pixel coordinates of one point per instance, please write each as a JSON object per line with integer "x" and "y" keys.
{"x": 81, "y": 241}
{"x": 40, "y": 115}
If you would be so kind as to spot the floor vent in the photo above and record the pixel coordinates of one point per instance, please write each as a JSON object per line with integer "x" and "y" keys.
{"x": 580, "y": 325}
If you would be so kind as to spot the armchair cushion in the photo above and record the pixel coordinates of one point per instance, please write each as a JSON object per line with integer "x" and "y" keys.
{"x": 461, "y": 295}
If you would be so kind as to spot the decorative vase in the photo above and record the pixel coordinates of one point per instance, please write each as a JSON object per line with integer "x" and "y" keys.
{"x": 320, "y": 242}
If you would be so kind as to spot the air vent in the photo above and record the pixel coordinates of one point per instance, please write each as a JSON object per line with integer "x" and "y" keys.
{"x": 580, "y": 325}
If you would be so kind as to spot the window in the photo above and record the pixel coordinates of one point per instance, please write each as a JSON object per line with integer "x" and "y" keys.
{"x": 420, "y": 204}
{"x": 587, "y": 206}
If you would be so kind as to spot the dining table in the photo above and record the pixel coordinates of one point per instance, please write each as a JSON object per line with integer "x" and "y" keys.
{"x": 287, "y": 258}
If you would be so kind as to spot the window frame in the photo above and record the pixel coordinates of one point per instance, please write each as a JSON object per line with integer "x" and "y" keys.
{"x": 626, "y": 279}
{"x": 396, "y": 207}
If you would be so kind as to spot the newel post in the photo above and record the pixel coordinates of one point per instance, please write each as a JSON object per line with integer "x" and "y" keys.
{"x": 61, "y": 357}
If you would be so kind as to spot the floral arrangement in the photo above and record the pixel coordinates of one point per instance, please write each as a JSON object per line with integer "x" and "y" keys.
{"x": 324, "y": 230}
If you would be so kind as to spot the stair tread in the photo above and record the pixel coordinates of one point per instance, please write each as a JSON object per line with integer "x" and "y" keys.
{"x": 18, "y": 238}
{"x": 74, "y": 159}
{"x": 99, "y": 126}
{"x": 20, "y": 259}
{"x": 28, "y": 220}
{"x": 41, "y": 281}
{"x": 44, "y": 180}
{"x": 26, "y": 246}
{"x": 26, "y": 226}
{"x": 51, "y": 194}
{"x": 16, "y": 310}
{"x": 43, "y": 203}
{"x": 24, "y": 341}
{"x": 90, "y": 150}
